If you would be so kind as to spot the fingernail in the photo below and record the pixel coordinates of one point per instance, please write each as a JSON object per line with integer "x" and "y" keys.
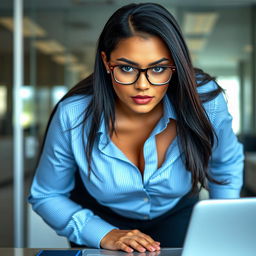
{"x": 152, "y": 249}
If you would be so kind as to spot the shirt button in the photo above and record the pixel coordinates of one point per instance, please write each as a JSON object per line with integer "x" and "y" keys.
{"x": 145, "y": 217}
{"x": 145, "y": 199}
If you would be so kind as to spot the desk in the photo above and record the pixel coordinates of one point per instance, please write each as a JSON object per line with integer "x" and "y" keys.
{"x": 89, "y": 252}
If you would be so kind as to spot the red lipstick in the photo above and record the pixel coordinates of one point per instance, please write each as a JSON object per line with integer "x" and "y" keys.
{"x": 142, "y": 99}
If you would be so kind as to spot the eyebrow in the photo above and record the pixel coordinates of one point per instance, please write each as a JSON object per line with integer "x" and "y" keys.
{"x": 136, "y": 64}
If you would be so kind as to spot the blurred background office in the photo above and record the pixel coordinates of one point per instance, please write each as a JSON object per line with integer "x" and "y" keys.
{"x": 55, "y": 49}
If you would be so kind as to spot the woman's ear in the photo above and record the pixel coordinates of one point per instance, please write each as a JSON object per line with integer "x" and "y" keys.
{"x": 104, "y": 59}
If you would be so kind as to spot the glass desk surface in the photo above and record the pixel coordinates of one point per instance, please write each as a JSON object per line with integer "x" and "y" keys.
{"x": 89, "y": 252}
{"x": 163, "y": 252}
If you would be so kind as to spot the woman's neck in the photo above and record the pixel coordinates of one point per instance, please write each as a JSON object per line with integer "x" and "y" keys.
{"x": 150, "y": 118}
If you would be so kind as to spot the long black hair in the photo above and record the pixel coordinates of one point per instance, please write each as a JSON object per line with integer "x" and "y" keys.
{"x": 195, "y": 132}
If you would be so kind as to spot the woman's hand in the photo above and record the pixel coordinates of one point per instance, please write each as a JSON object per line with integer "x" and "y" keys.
{"x": 128, "y": 240}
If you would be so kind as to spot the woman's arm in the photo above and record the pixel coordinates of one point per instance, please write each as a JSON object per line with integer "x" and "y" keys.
{"x": 53, "y": 181}
{"x": 227, "y": 156}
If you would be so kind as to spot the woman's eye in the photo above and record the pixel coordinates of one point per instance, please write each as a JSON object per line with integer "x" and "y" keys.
{"x": 126, "y": 68}
{"x": 158, "y": 69}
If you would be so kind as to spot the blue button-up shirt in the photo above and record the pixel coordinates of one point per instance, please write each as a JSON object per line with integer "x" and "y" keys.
{"x": 115, "y": 181}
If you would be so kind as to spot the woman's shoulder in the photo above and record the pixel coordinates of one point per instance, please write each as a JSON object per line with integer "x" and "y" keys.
{"x": 72, "y": 108}
{"x": 207, "y": 87}
{"x": 215, "y": 106}
{"x": 75, "y": 103}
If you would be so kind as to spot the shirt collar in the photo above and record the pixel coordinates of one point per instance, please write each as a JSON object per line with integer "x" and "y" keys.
{"x": 169, "y": 111}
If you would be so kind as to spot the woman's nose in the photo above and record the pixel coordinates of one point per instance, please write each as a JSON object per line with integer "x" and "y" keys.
{"x": 142, "y": 83}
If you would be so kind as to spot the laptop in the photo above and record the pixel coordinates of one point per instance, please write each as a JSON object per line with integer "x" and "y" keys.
{"x": 223, "y": 227}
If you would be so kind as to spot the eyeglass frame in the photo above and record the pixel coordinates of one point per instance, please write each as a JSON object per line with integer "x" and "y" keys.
{"x": 145, "y": 70}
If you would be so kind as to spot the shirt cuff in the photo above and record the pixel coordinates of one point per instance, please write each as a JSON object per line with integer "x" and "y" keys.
{"x": 220, "y": 193}
{"x": 95, "y": 230}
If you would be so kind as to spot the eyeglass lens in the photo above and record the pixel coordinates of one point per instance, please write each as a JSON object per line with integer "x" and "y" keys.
{"x": 129, "y": 75}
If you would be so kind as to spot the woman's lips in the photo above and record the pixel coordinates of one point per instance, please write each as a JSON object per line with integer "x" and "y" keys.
{"x": 139, "y": 99}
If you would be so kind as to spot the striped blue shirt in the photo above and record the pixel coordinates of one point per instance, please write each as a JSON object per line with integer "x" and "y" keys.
{"x": 116, "y": 182}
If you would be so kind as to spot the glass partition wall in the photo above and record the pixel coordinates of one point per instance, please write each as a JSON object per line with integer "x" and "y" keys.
{"x": 59, "y": 45}
{"x": 6, "y": 130}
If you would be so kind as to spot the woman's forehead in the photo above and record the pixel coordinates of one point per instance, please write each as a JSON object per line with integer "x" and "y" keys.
{"x": 141, "y": 49}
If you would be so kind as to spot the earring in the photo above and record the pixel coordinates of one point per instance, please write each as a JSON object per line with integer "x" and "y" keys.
{"x": 108, "y": 71}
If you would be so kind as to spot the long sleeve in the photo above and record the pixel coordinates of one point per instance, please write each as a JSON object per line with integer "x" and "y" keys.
{"x": 227, "y": 156}
{"x": 53, "y": 181}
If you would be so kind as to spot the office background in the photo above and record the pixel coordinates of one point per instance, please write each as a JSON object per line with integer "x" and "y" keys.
{"x": 55, "y": 49}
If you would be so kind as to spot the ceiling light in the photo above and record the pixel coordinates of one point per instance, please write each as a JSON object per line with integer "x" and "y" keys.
{"x": 199, "y": 23}
{"x": 64, "y": 58}
{"x": 49, "y": 46}
{"x": 7, "y": 22}
{"x": 248, "y": 48}
{"x": 78, "y": 68}
{"x": 30, "y": 28}
{"x": 196, "y": 45}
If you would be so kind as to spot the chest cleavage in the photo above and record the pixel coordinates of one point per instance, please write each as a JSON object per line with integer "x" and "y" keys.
{"x": 131, "y": 143}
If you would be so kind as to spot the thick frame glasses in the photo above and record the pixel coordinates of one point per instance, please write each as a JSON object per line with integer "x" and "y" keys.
{"x": 156, "y": 75}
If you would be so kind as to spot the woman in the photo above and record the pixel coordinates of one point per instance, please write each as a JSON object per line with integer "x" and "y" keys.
{"x": 128, "y": 147}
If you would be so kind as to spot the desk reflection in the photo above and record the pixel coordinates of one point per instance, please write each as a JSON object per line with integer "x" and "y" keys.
{"x": 90, "y": 252}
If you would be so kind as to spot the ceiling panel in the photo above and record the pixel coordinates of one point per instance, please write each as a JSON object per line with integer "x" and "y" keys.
{"x": 76, "y": 24}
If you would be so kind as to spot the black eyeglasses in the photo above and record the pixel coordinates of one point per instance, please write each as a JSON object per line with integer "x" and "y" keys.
{"x": 156, "y": 75}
